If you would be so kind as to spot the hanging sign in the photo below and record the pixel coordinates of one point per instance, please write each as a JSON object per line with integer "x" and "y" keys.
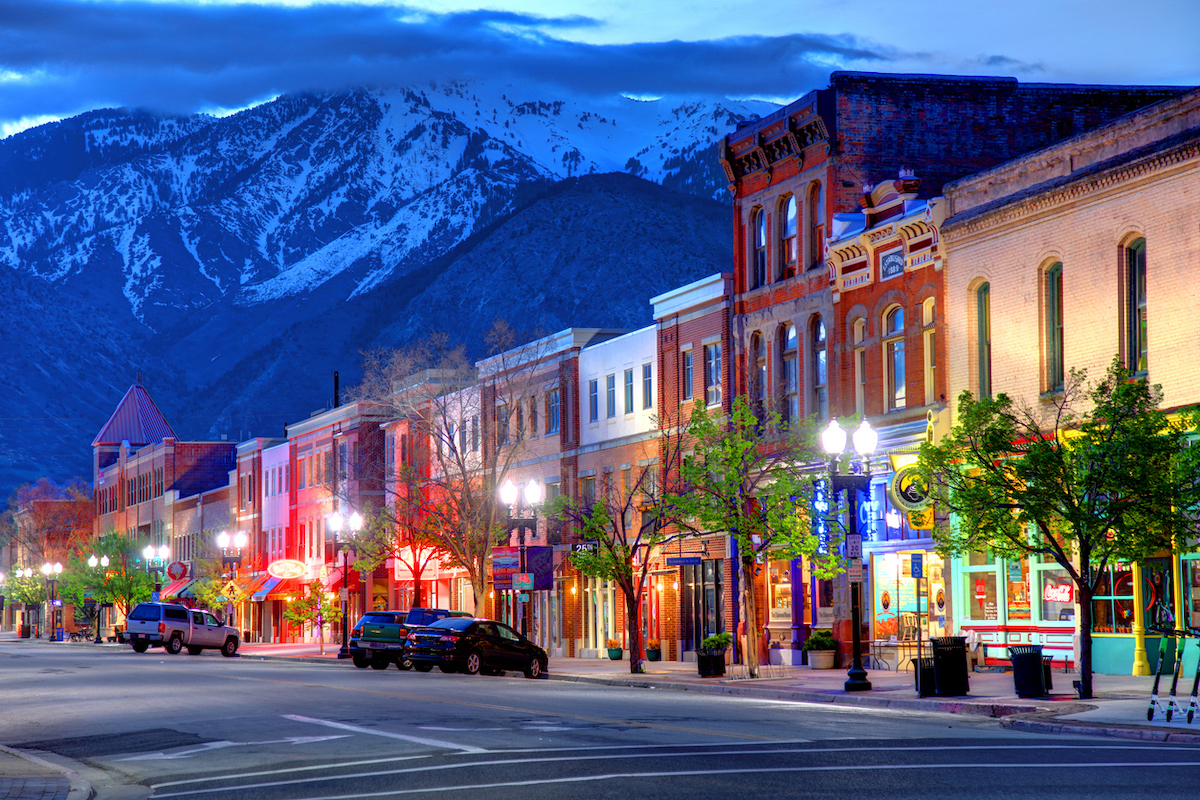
{"x": 907, "y": 489}
{"x": 177, "y": 570}
{"x": 286, "y": 568}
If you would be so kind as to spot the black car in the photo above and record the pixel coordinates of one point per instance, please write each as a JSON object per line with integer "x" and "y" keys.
{"x": 472, "y": 646}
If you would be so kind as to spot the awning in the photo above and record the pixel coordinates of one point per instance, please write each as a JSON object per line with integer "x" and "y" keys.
{"x": 260, "y": 593}
{"x": 333, "y": 580}
{"x": 173, "y": 588}
{"x": 256, "y": 583}
{"x": 284, "y": 589}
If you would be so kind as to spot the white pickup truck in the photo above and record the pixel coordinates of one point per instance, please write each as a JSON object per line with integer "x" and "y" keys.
{"x": 174, "y": 627}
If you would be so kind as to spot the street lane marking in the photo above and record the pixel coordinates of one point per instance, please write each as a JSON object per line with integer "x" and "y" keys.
{"x": 609, "y": 756}
{"x": 210, "y": 746}
{"x": 487, "y": 706}
{"x": 711, "y": 772}
{"x": 466, "y": 748}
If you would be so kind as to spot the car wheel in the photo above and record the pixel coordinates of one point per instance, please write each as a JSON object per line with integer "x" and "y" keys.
{"x": 230, "y": 647}
{"x": 362, "y": 662}
{"x": 449, "y": 669}
{"x": 404, "y": 664}
{"x": 423, "y": 667}
{"x": 534, "y": 670}
{"x": 140, "y": 647}
{"x": 174, "y": 645}
{"x": 193, "y": 650}
{"x": 379, "y": 662}
{"x": 474, "y": 663}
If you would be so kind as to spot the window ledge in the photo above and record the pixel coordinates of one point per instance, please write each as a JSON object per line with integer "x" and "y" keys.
{"x": 1053, "y": 394}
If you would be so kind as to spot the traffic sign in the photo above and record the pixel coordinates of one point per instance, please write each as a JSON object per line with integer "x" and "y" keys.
{"x": 917, "y": 565}
{"x": 522, "y": 598}
{"x": 522, "y": 580}
{"x": 854, "y": 573}
{"x": 854, "y": 545}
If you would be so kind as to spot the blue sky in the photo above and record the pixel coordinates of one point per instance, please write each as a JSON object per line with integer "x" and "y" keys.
{"x": 62, "y": 57}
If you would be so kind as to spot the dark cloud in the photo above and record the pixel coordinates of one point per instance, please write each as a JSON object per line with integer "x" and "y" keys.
{"x": 80, "y": 55}
{"x": 1011, "y": 64}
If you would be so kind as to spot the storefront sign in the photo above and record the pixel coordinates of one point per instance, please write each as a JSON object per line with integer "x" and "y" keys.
{"x": 1060, "y": 593}
{"x": 286, "y": 568}
{"x": 907, "y": 489}
{"x": 980, "y": 591}
{"x": 177, "y": 570}
{"x": 684, "y": 561}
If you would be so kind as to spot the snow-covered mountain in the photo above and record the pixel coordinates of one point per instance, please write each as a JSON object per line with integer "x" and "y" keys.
{"x": 287, "y": 237}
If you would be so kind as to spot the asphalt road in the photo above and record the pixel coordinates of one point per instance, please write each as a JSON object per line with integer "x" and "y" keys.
{"x": 210, "y": 728}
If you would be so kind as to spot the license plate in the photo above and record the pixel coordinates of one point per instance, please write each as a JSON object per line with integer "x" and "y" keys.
{"x": 376, "y": 645}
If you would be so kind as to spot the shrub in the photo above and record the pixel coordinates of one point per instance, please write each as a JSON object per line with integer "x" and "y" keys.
{"x": 614, "y": 644}
{"x": 718, "y": 641}
{"x": 653, "y": 644}
{"x": 820, "y": 639}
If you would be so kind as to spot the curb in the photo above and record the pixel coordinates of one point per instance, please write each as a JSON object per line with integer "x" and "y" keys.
{"x": 992, "y": 710}
{"x": 1049, "y": 722}
{"x": 80, "y": 789}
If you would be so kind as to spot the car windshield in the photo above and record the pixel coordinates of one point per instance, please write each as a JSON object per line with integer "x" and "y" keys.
{"x": 145, "y": 611}
{"x": 377, "y": 619}
{"x": 454, "y": 623}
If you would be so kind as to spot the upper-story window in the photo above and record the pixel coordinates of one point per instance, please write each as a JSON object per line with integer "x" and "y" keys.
{"x": 712, "y": 374}
{"x": 610, "y": 395}
{"x": 647, "y": 386}
{"x": 860, "y": 365}
{"x": 816, "y": 226}
{"x": 593, "y": 400}
{"x": 758, "y": 262}
{"x": 1055, "y": 370}
{"x": 687, "y": 374}
{"x": 789, "y": 252}
{"x": 553, "y": 411}
{"x": 758, "y": 378}
{"x": 533, "y": 416}
{"x": 1136, "y": 318}
{"x": 820, "y": 368}
{"x": 629, "y": 391}
{"x": 893, "y": 347}
{"x": 929, "y": 348}
{"x": 983, "y": 328}
{"x": 789, "y": 378}
{"x": 502, "y": 424}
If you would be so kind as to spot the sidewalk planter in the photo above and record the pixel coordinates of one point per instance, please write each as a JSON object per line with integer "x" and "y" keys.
{"x": 710, "y": 658}
{"x": 821, "y": 659}
{"x": 615, "y": 653}
{"x": 821, "y": 648}
{"x": 653, "y": 653}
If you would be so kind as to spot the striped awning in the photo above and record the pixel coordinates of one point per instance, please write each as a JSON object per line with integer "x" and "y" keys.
{"x": 284, "y": 589}
{"x": 263, "y": 590}
{"x": 172, "y": 589}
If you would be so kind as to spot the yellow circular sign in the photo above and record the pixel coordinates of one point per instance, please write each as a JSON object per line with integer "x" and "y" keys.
{"x": 907, "y": 489}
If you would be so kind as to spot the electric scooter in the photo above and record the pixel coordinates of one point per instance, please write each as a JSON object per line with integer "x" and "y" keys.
{"x": 1172, "y": 704}
{"x": 1162, "y": 657}
{"x": 1191, "y": 710}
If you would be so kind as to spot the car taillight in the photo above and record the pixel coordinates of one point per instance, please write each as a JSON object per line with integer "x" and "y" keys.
{"x": 162, "y": 627}
{"x": 448, "y": 638}
{"x": 356, "y": 632}
{"x": 412, "y": 637}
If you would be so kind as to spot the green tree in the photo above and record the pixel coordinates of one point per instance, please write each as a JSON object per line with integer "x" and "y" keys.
{"x": 124, "y": 582}
{"x": 752, "y": 478}
{"x": 628, "y": 521}
{"x": 314, "y": 607}
{"x": 1095, "y": 476}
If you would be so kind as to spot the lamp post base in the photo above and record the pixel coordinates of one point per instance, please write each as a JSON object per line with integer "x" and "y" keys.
{"x": 343, "y": 652}
{"x": 856, "y": 680}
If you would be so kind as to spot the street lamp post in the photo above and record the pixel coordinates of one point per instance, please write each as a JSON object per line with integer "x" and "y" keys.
{"x": 94, "y": 562}
{"x": 511, "y": 497}
{"x": 354, "y": 523}
{"x": 26, "y": 572}
{"x": 231, "y": 559}
{"x": 833, "y": 439}
{"x": 52, "y": 571}
{"x": 154, "y": 564}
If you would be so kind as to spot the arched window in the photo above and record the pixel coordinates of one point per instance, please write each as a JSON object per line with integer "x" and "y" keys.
{"x": 1135, "y": 315}
{"x": 1054, "y": 329}
{"x": 983, "y": 323}
{"x": 860, "y": 366}
{"x": 789, "y": 379}
{"x": 816, "y": 226}
{"x": 758, "y": 259}
{"x": 820, "y": 377}
{"x": 893, "y": 348}
{"x": 758, "y": 379}
{"x": 788, "y": 234}
{"x": 929, "y": 348}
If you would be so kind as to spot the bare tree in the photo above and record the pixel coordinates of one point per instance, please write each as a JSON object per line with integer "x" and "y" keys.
{"x": 47, "y": 520}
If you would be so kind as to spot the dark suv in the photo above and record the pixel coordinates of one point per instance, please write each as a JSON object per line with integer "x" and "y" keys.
{"x": 378, "y": 638}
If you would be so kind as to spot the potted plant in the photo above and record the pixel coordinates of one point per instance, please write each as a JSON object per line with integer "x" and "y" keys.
{"x": 614, "y": 649}
{"x": 821, "y": 648}
{"x": 710, "y": 658}
{"x": 653, "y": 650}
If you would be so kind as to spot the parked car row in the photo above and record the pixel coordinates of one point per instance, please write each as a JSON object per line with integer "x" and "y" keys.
{"x": 452, "y": 641}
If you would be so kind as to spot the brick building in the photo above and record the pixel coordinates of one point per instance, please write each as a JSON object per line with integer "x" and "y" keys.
{"x": 792, "y": 171}
{"x": 1062, "y": 259}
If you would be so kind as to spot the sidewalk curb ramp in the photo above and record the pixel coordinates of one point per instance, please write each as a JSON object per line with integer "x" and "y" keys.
{"x": 80, "y": 789}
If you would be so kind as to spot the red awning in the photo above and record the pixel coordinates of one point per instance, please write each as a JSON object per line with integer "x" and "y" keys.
{"x": 173, "y": 588}
{"x": 284, "y": 589}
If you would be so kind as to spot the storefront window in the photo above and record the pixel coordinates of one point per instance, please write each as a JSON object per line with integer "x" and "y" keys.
{"x": 1112, "y": 605}
{"x": 1158, "y": 599}
{"x": 980, "y": 559}
{"x": 781, "y": 591}
{"x": 1057, "y": 595}
{"x": 1191, "y": 583}
{"x": 1017, "y": 590}
{"x": 980, "y": 590}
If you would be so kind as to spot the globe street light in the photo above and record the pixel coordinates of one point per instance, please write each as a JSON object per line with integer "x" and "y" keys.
{"x": 94, "y": 562}
{"x": 510, "y": 497}
{"x": 833, "y": 439}
{"x": 335, "y": 522}
{"x": 154, "y": 564}
{"x": 54, "y": 570}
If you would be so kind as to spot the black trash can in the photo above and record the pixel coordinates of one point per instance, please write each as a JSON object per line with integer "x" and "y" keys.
{"x": 1029, "y": 672}
{"x": 1047, "y": 668}
{"x": 950, "y": 666}
{"x": 710, "y": 663}
{"x": 926, "y": 683}
{"x": 24, "y": 634}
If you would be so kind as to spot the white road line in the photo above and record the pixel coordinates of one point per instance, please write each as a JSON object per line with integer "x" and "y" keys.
{"x": 755, "y": 771}
{"x": 210, "y": 746}
{"x": 466, "y": 748}
{"x": 609, "y": 756}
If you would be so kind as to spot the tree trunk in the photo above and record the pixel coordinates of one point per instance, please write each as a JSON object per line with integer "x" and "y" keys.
{"x": 632, "y": 608}
{"x": 751, "y": 620}
{"x": 1085, "y": 643}
{"x": 417, "y": 572}
{"x": 479, "y": 588}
